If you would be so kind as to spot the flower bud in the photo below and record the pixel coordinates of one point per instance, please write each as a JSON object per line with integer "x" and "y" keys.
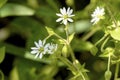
{"x": 108, "y": 75}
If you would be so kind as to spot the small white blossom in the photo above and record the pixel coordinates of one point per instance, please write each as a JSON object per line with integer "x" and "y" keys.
{"x": 97, "y": 15}
{"x": 65, "y": 15}
{"x": 52, "y": 48}
{"x": 41, "y": 48}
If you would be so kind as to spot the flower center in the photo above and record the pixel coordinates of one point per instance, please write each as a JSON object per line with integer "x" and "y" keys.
{"x": 65, "y": 16}
{"x": 41, "y": 49}
{"x": 100, "y": 16}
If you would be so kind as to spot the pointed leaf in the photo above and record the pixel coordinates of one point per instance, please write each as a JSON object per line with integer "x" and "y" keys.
{"x": 2, "y": 54}
{"x": 50, "y": 30}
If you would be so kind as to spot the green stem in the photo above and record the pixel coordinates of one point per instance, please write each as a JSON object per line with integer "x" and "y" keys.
{"x": 102, "y": 46}
{"x": 89, "y": 34}
{"x": 60, "y": 37}
{"x": 101, "y": 39}
{"x": 72, "y": 53}
{"x": 67, "y": 33}
{"x": 70, "y": 49}
{"x": 116, "y": 71}
{"x": 108, "y": 67}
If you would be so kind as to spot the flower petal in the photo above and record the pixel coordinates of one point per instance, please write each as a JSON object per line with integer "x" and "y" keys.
{"x": 34, "y": 48}
{"x": 37, "y": 55}
{"x": 63, "y": 11}
{"x": 69, "y": 19}
{"x": 59, "y": 19}
{"x": 59, "y": 14}
{"x": 40, "y": 56}
{"x": 65, "y": 21}
{"x": 36, "y": 44}
{"x": 34, "y": 51}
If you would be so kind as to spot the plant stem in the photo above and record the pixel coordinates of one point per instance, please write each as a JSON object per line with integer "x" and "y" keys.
{"x": 116, "y": 71}
{"x": 89, "y": 34}
{"x": 68, "y": 43}
{"x": 102, "y": 46}
{"x": 101, "y": 39}
{"x": 108, "y": 67}
{"x": 67, "y": 33}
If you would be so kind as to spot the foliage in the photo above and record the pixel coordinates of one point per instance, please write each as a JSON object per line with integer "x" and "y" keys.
{"x": 85, "y": 51}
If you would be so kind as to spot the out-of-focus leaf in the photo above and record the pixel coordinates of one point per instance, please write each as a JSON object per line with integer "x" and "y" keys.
{"x": 78, "y": 26}
{"x": 94, "y": 50}
{"x": 53, "y": 4}
{"x": 14, "y": 50}
{"x": 11, "y": 9}
{"x": 30, "y": 28}
{"x": 1, "y": 75}
{"x": 115, "y": 34}
{"x": 2, "y": 54}
{"x": 14, "y": 74}
{"x": 34, "y": 70}
{"x": 78, "y": 44}
{"x": 47, "y": 14}
{"x": 2, "y": 2}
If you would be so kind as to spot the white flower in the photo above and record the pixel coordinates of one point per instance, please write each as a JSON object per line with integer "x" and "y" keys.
{"x": 52, "y": 48}
{"x": 97, "y": 15}
{"x": 65, "y": 15}
{"x": 40, "y": 49}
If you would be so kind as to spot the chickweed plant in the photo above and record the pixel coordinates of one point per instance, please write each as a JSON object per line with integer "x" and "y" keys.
{"x": 93, "y": 32}
{"x": 111, "y": 33}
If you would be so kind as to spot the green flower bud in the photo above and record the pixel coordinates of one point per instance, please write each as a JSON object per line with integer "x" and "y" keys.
{"x": 108, "y": 75}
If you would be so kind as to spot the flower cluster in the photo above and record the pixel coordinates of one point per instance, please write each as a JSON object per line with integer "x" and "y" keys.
{"x": 97, "y": 15}
{"x": 65, "y": 15}
{"x": 41, "y": 48}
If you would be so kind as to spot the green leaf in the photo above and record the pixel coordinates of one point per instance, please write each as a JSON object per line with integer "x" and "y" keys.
{"x": 2, "y": 2}
{"x": 2, "y": 54}
{"x": 71, "y": 37}
{"x": 1, "y": 75}
{"x": 11, "y": 9}
{"x": 50, "y": 30}
{"x": 115, "y": 34}
{"x": 94, "y": 50}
